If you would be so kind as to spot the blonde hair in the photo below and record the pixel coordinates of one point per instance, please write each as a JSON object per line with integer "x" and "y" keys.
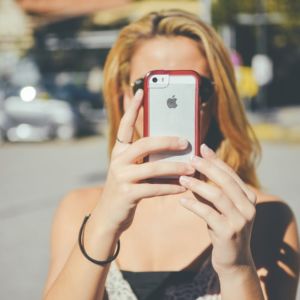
{"x": 239, "y": 147}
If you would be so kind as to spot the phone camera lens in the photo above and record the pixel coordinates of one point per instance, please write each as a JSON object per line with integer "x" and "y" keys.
{"x": 154, "y": 79}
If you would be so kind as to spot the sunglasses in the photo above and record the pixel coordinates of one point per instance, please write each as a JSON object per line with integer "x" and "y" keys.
{"x": 206, "y": 89}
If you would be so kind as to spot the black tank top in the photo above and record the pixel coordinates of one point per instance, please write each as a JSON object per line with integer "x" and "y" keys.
{"x": 151, "y": 285}
{"x": 176, "y": 285}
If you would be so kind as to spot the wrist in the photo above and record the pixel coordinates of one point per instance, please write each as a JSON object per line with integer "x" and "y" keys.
{"x": 238, "y": 273}
{"x": 97, "y": 242}
{"x": 108, "y": 246}
{"x": 243, "y": 264}
{"x": 243, "y": 280}
{"x": 98, "y": 229}
{"x": 104, "y": 222}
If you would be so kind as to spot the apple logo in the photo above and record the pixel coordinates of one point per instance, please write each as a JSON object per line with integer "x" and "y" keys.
{"x": 171, "y": 102}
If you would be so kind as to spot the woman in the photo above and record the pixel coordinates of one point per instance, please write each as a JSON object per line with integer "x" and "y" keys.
{"x": 238, "y": 242}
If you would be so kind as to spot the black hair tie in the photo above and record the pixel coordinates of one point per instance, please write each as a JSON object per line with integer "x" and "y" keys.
{"x": 81, "y": 245}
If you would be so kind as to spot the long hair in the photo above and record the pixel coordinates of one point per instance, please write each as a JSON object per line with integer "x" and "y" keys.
{"x": 238, "y": 146}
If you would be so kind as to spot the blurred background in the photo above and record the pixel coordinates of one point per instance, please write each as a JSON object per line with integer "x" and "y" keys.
{"x": 53, "y": 124}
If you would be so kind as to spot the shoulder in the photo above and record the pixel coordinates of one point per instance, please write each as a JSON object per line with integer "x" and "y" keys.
{"x": 268, "y": 205}
{"x": 80, "y": 201}
{"x": 275, "y": 243}
{"x": 275, "y": 219}
{"x": 271, "y": 209}
{"x": 71, "y": 211}
{"x": 66, "y": 222}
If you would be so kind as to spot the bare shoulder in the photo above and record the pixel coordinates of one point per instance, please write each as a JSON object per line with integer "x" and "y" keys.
{"x": 275, "y": 246}
{"x": 80, "y": 201}
{"x": 69, "y": 216}
{"x": 276, "y": 214}
{"x": 273, "y": 208}
{"x": 65, "y": 227}
{"x": 275, "y": 218}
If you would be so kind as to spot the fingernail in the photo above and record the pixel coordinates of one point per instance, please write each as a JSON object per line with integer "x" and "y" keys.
{"x": 190, "y": 170}
{"x": 184, "y": 179}
{"x": 183, "y": 200}
{"x": 182, "y": 188}
{"x": 206, "y": 150}
{"x": 183, "y": 142}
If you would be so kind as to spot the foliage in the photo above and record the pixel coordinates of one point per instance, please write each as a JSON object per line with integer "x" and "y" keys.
{"x": 225, "y": 11}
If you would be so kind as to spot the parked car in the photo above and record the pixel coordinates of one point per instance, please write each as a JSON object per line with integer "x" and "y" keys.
{"x": 37, "y": 120}
{"x": 38, "y": 113}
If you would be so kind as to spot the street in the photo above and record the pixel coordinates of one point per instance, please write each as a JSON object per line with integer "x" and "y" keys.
{"x": 34, "y": 178}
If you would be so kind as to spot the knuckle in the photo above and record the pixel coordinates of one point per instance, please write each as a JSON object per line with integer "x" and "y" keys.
{"x": 181, "y": 168}
{"x": 119, "y": 175}
{"x": 209, "y": 165}
{"x": 227, "y": 203}
{"x": 140, "y": 144}
{"x": 251, "y": 213}
{"x": 228, "y": 233}
{"x": 218, "y": 195}
{"x": 241, "y": 225}
{"x": 208, "y": 213}
{"x": 142, "y": 141}
{"x": 125, "y": 189}
{"x": 227, "y": 180}
{"x": 158, "y": 191}
{"x": 252, "y": 197}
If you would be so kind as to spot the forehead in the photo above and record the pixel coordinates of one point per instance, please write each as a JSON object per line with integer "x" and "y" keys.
{"x": 168, "y": 53}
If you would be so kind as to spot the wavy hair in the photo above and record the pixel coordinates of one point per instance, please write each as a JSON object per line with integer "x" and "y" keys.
{"x": 238, "y": 146}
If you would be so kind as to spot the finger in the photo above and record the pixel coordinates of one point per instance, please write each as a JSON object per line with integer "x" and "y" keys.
{"x": 147, "y": 145}
{"x": 215, "y": 196}
{"x": 209, "y": 154}
{"x": 127, "y": 123}
{"x": 147, "y": 190}
{"x": 230, "y": 187}
{"x": 135, "y": 173}
{"x": 213, "y": 219}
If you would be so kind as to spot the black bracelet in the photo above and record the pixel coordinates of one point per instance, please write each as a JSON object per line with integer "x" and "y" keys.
{"x": 81, "y": 245}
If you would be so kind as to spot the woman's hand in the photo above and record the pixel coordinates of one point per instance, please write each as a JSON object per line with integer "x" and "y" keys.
{"x": 124, "y": 186}
{"x": 228, "y": 207}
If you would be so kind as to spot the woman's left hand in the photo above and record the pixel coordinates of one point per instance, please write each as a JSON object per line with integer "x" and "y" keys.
{"x": 228, "y": 207}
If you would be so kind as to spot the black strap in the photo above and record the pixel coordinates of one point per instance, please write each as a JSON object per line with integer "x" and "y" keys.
{"x": 81, "y": 245}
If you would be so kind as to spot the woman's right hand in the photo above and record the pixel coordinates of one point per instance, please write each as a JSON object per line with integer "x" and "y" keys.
{"x": 124, "y": 186}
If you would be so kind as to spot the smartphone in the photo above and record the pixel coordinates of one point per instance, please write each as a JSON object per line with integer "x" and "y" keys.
{"x": 171, "y": 108}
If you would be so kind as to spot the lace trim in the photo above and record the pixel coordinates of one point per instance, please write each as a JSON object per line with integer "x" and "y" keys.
{"x": 119, "y": 289}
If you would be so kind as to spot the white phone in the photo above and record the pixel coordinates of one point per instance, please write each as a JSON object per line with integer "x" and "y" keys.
{"x": 171, "y": 108}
